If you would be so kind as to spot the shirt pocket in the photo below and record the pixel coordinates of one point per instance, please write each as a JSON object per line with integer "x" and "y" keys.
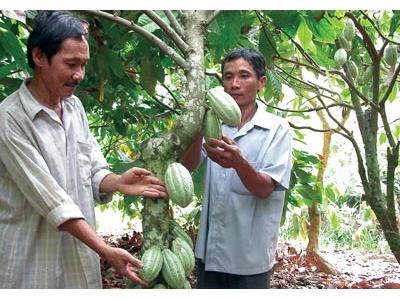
{"x": 84, "y": 162}
{"x": 237, "y": 185}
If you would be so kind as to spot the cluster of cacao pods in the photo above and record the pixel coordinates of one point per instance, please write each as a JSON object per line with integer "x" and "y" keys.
{"x": 222, "y": 107}
{"x": 345, "y": 41}
{"x": 168, "y": 267}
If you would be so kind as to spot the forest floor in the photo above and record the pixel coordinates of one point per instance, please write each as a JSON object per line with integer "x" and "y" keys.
{"x": 356, "y": 270}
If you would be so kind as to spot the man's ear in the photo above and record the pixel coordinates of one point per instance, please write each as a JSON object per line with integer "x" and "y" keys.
{"x": 38, "y": 57}
{"x": 261, "y": 83}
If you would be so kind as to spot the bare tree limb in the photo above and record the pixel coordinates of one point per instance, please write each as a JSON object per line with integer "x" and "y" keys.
{"x": 168, "y": 30}
{"x": 174, "y": 23}
{"x": 155, "y": 40}
{"x": 211, "y": 17}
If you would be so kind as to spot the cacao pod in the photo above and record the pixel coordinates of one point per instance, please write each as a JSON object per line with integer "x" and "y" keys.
{"x": 172, "y": 270}
{"x": 211, "y": 126}
{"x": 179, "y": 184}
{"x": 178, "y": 232}
{"x": 224, "y": 106}
{"x": 185, "y": 254}
{"x": 152, "y": 263}
{"x": 340, "y": 57}
{"x": 367, "y": 75}
{"x": 186, "y": 284}
{"x": 159, "y": 286}
{"x": 349, "y": 30}
{"x": 390, "y": 55}
{"x": 345, "y": 44}
{"x": 353, "y": 69}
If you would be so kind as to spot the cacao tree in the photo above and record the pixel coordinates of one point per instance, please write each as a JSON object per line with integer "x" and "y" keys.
{"x": 312, "y": 40}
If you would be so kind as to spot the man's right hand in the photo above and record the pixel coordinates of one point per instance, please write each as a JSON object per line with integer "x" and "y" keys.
{"x": 124, "y": 263}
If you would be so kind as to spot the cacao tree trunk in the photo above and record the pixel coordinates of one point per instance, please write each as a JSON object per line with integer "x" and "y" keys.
{"x": 157, "y": 153}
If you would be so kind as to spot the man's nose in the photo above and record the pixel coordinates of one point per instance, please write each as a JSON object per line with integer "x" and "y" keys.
{"x": 235, "y": 82}
{"x": 78, "y": 75}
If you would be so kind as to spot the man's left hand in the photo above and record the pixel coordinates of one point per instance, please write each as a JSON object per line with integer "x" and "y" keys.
{"x": 224, "y": 152}
{"x": 139, "y": 182}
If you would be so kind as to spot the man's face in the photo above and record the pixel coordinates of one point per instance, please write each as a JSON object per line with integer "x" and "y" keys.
{"x": 241, "y": 82}
{"x": 66, "y": 69}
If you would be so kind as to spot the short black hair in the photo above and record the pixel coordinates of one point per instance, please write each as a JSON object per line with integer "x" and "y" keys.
{"x": 50, "y": 29}
{"x": 252, "y": 56}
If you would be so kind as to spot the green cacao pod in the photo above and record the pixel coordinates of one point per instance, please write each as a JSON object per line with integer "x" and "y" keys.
{"x": 340, "y": 57}
{"x": 367, "y": 75}
{"x": 353, "y": 69}
{"x": 224, "y": 106}
{"x": 172, "y": 269}
{"x": 178, "y": 232}
{"x": 211, "y": 126}
{"x": 349, "y": 30}
{"x": 159, "y": 286}
{"x": 345, "y": 44}
{"x": 186, "y": 284}
{"x": 179, "y": 184}
{"x": 184, "y": 253}
{"x": 390, "y": 55}
{"x": 152, "y": 263}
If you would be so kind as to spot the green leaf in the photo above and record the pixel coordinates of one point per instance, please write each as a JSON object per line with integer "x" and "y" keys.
{"x": 394, "y": 22}
{"x": 8, "y": 68}
{"x": 267, "y": 45}
{"x": 393, "y": 93}
{"x": 273, "y": 87}
{"x": 12, "y": 46}
{"x": 150, "y": 72}
{"x": 288, "y": 20}
{"x": 304, "y": 34}
{"x": 330, "y": 193}
{"x": 382, "y": 138}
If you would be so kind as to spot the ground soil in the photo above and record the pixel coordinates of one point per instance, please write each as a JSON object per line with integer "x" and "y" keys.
{"x": 293, "y": 270}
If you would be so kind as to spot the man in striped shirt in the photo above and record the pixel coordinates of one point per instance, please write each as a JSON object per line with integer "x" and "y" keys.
{"x": 51, "y": 169}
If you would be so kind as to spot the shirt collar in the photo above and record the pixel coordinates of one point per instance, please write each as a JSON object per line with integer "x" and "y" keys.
{"x": 261, "y": 117}
{"x": 31, "y": 106}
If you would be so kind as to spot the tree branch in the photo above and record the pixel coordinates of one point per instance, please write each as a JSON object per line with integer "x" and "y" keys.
{"x": 168, "y": 30}
{"x": 174, "y": 23}
{"x": 212, "y": 16}
{"x": 391, "y": 85}
{"x": 155, "y": 40}
{"x": 378, "y": 30}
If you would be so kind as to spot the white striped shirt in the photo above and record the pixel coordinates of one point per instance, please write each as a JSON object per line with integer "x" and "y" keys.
{"x": 50, "y": 172}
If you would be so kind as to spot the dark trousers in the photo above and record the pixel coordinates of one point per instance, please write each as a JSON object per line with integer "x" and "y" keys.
{"x": 219, "y": 280}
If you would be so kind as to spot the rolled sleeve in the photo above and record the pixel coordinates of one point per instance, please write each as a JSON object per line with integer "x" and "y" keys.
{"x": 96, "y": 181}
{"x": 63, "y": 213}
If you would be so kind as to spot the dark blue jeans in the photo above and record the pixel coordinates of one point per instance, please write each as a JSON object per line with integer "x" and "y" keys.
{"x": 219, "y": 280}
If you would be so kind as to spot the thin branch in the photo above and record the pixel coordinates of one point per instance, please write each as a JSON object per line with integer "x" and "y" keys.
{"x": 391, "y": 85}
{"x": 174, "y": 23}
{"x": 172, "y": 95}
{"x": 386, "y": 126}
{"x": 211, "y": 17}
{"x": 216, "y": 75}
{"x": 168, "y": 30}
{"x": 378, "y": 30}
{"x": 298, "y": 46}
{"x": 154, "y": 39}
